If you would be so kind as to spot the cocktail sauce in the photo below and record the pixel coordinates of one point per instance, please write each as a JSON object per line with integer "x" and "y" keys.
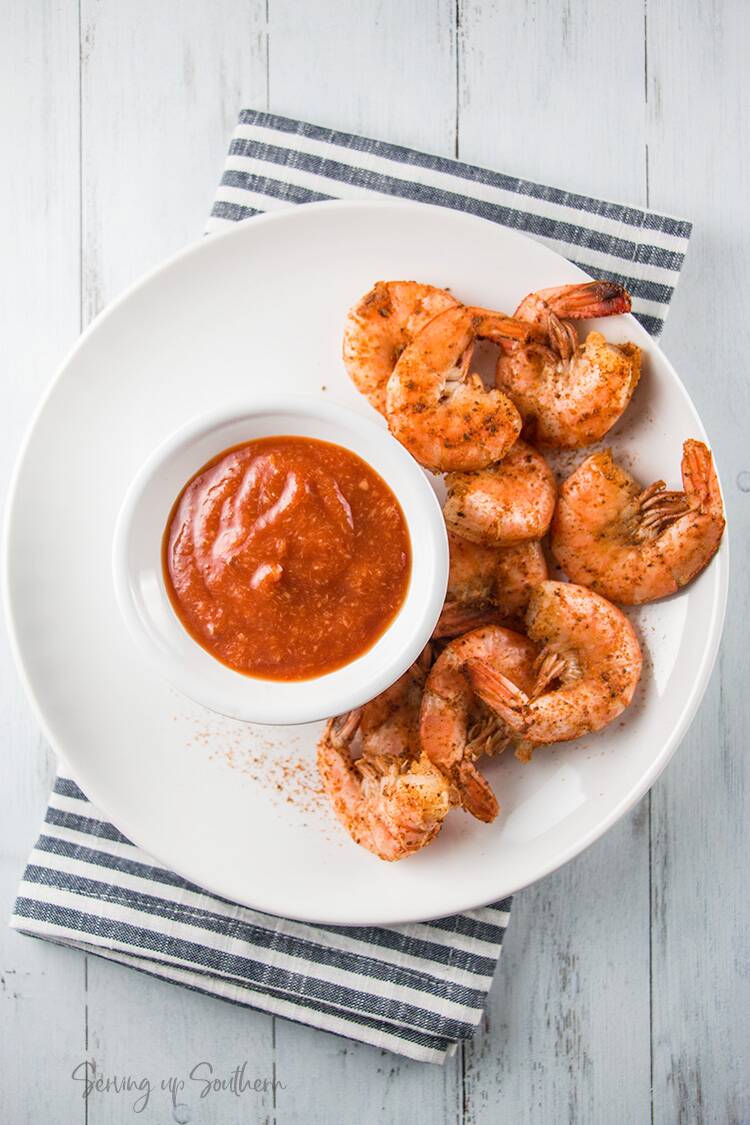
{"x": 286, "y": 557}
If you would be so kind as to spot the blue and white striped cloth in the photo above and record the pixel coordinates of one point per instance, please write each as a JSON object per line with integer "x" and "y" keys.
{"x": 275, "y": 162}
{"x": 417, "y": 989}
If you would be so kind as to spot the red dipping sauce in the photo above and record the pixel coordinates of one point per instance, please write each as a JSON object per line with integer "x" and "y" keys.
{"x": 287, "y": 557}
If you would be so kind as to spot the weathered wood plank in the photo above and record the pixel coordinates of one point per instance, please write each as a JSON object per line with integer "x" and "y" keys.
{"x": 161, "y": 89}
{"x": 334, "y": 1081}
{"x": 699, "y": 164}
{"x": 171, "y": 1042}
{"x": 41, "y": 987}
{"x": 385, "y": 70}
{"x": 544, "y": 94}
{"x": 566, "y": 1036}
{"x": 566, "y": 1033}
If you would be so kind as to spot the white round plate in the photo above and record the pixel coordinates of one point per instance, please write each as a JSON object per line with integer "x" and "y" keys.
{"x": 230, "y": 806}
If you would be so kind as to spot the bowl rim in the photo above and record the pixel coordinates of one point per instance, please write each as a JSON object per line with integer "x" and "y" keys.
{"x": 283, "y": 702}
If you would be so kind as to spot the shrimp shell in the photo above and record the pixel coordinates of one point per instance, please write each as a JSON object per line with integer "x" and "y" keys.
{"x": 381, "y": 325}
{"x": 488, "y": 584}
{"x": 569, "y": 394}
{"x": 506, "y": 504}
{"x": 589, "y": 650}
{"x": 440, "y": 412}
{"x": 454, "y": 729}
{"x": 634, "y": 545}
{"x": 389, "y": 796}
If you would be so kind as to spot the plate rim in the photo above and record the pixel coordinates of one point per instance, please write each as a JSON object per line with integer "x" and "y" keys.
{"x": 629, "y": 799}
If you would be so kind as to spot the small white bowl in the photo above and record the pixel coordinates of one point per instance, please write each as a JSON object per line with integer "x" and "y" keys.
{"x": 147, "y": 610}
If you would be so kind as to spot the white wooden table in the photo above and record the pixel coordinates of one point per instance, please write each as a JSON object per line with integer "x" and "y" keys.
{"x": 623, "y": 995}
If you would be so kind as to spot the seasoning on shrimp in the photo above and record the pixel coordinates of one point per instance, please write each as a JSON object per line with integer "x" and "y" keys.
{"x": 586, "y": 671}
{"x": 488, "y": 584}
{"x": 385, "y": 791}
{"x": 441, "y": 412}
{"x": 634, "y": 545}
{"x": 455, "y": 729}
{"x": 505, "y": 504}
{"x": 380, "y": 326}
{"x": 569, "y": 394}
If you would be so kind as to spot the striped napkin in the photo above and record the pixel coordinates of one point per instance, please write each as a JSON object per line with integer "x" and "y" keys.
{"x": 276, "y": 162}
{"x": 417, "y": 989}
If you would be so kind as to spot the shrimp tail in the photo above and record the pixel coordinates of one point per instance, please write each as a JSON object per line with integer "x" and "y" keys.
{"x": 476, "y": 795}
{"x": 705, "y": 519}
{"x": 699, "y": 477}
{"x": 457, "y": 618}
{"x": 590, "y": 300}
{"x": 498, "y": 692}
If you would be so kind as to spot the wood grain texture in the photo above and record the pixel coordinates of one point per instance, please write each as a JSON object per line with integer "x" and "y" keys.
{"x": 566, "y": 1031}
{"x": 381, "y": 68}
{"x": 615, "y": 972}
{"x": 161, "y": 89}
{"x": 41, "y": 987}
{"x": 150, "y": 1029}
{"x": 367, "y": 69}
{"x": 699, "y": 162}
{"x": 566, "y": 1035}
{"x": 542, "y": 94}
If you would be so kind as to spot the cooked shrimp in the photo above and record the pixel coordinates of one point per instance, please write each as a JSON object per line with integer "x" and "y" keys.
{"x": 387, "y": 793}
{"x": 488, "y": 583}
{"x": 469, "y": 599}
{"x": 440, "y": 412}
{"x": 388, "y": 724}
{"x": 585, "y": 300}
{"x": 634, "y": 545}
{"x": 473, "y": 566}
{"x": 505, "y": 504}
{"x": 381, "y": 325}
{"x": 389, "y": 806}
{"x": 520, "y": 569}
{"x": 454, "y": 727}
{"x": 586, "y": 671}
{"x": 569, "y": 394}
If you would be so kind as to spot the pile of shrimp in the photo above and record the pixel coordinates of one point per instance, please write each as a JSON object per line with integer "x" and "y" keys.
{"x": 517, "y": 660}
